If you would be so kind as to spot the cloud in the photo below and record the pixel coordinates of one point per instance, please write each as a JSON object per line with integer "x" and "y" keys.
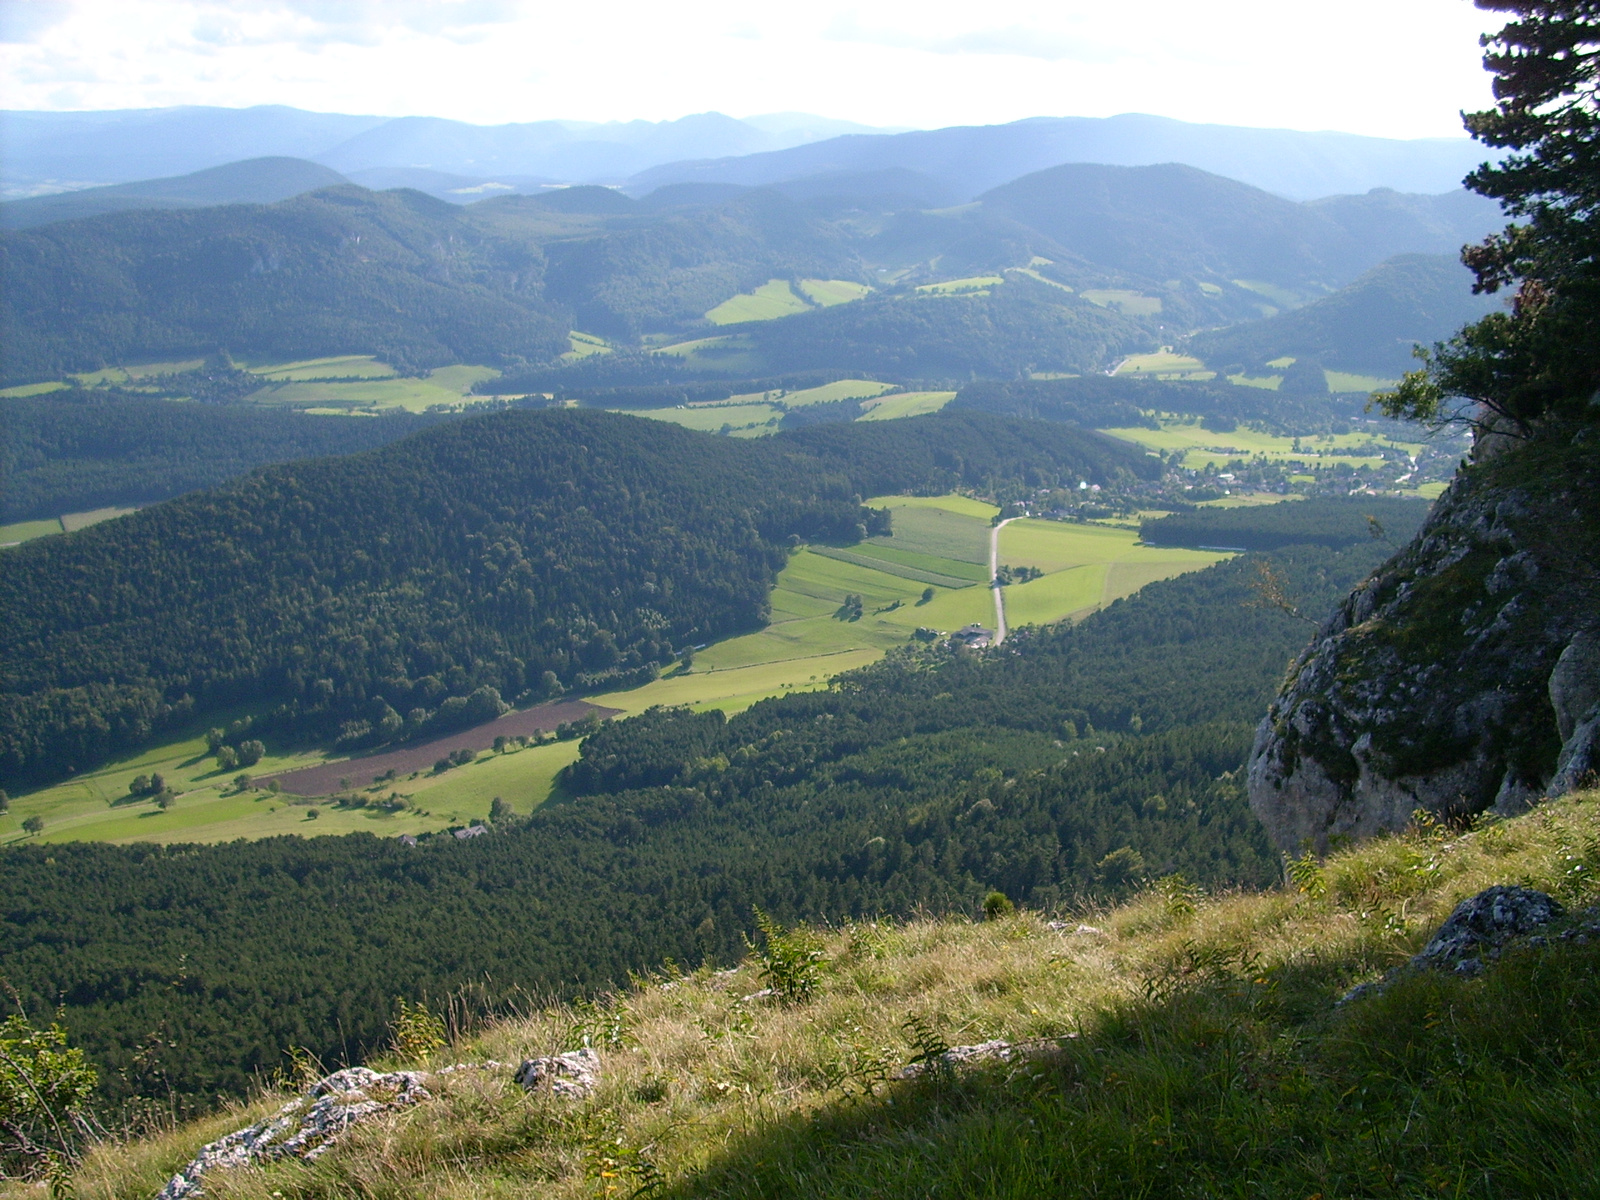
{"x": 316, "y": 23}
{"x": 1018, "y": 40}
{"x": 24, "y": 20}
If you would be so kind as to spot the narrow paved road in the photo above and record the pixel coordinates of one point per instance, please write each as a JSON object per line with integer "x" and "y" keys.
{"x": 994, "y": 571}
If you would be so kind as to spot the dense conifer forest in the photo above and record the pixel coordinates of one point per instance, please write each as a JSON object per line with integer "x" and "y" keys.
{"x": 515, "y": 555}
{"x": 76, "y": 450}
{"x": 1074, "y": 761}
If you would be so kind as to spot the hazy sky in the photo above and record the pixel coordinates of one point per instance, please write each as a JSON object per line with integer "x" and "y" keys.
{"x": 1398, "y": 68}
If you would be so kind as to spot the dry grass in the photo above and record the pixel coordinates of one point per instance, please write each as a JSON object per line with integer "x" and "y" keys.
{"x": 706, "y": 1081}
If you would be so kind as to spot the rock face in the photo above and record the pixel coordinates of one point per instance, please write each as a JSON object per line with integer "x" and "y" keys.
{"x": 1464, "y": 675}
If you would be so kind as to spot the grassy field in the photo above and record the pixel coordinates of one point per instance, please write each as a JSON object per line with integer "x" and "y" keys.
{"x": 771, "y": 300}
{"x": 728, "y": 352}
{"x": 825, "y": 293}
{"x": 26, "y": 531}
{"x": 343, "y": 366}
{"x": 584, "y": 345}
{"x": 32, "y": 389}
{"x": 133, "y": 372}
{"x": 1034, "y": 275}
{"x": 1202, "y": 446}
{"x": 975, "y": 285}
{"x": 906, "y": 404}
{"x": 1344, "y": 381}
{"x": 709, "y": 418}
{"x": 952, "y": 527}
{"x": 842, "y": 389}
{"x": 444, "y": 385}
{"x": 805, "y": 644}
{"x": 1164, "y": 364}
{"x": 1135, "y": 304}
{"x": 1086, "y": 567}
{"x": 1182, "y": 1044}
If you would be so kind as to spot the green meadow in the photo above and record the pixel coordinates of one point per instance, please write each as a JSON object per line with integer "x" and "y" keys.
{"x": 810, "y": 638}
{"x": 771, "y": 300}
{"x": 825, "y": 293}
{"x": 584, "y": 345}
{"x": 973, "y": 285}
{"x": 344, "y": 366}
{"x": 26, "y": 531}
{"x": 1202, "y": 446}
{"x": 1135, "y": 304}
{"x": 906, "y": 404}
{"x": 449, "y": 386}
{"x": 1164, "y": 364}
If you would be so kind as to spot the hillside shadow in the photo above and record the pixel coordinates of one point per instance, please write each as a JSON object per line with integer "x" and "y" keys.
{"x": 1253, "y": 1086}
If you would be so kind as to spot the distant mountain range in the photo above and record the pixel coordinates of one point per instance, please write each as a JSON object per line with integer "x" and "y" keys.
{"x": 1065, "y": 269}
{"x": 48, "y": 151}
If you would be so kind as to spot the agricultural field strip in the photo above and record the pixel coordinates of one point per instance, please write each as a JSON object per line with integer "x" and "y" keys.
{"x": 892, "y": 568}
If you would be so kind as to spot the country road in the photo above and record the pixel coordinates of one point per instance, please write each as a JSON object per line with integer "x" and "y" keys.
{"x": 994, "y": 572}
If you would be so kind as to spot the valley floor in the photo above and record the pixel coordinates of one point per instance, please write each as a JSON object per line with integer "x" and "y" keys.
{"x": 939, "y": 542}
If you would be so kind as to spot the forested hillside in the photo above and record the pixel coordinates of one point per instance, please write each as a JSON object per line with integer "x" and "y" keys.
{"x": 1371, "y": 324}
{"x": 80, "y": 449}
{"x": 341, "y": 271}
{"x": 1077, "y": 761}
{"x": 513, "y": 555}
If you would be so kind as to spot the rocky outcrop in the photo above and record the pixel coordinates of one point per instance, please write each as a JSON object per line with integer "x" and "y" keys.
{"x": 574, "y": 1075}
{"x": 1464, "y": 675}
{"x": 305, "y": 1127}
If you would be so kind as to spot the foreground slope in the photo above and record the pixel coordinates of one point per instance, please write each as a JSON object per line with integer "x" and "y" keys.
{"x": 1181, "y": 1045}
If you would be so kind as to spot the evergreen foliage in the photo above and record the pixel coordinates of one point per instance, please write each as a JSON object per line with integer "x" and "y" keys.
{"x": 930, "y": 779}
{"x": 411, "y": 589}
{"x": 1543, "y": 355}
{"x": 1325, "y": 522}
{"x": 78, "y": 450}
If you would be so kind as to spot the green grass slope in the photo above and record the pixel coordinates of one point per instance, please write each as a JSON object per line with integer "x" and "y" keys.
{"x": 1186, "y": 1045}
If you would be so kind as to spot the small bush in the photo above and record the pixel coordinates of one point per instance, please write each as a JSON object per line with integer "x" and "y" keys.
{"x": 791, "y": 960}
{"x": 414, "y": 1031}
{"x": 997, "y": 905}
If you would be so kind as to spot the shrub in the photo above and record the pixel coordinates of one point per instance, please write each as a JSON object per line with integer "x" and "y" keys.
{"x": 43, "y": 1084}
{"x": 997, "y": 905}
{"x": 791, "y": 960}
{"x": 414, "y": 1031}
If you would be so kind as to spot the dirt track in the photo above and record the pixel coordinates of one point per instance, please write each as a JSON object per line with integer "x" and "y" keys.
{"x": 324, "y": 780}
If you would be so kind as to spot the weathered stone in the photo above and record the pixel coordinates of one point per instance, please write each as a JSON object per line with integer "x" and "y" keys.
{"x": 1482, "y": 925}
{"x": 1575, "y": 682}
{"x": 1580, "y": 756}
{"x": 1457, "y": 678}
{"x": 574, "y": 1075}
{"x": 306, "y": 1126}
{"x": 990, "y": 1051}
{"x": 1476, "y": 932}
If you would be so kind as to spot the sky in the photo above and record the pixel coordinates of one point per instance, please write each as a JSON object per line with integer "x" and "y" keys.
{"x": 1389, "y": 68}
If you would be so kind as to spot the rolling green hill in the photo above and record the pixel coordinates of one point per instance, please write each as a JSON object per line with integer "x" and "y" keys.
{"x": 253, "y": 181}
{"x": 407, "y": 589}
{"x": 77, "y": 450}
{"x": 340, "y": 271}
{"x": 1369, "y": 326}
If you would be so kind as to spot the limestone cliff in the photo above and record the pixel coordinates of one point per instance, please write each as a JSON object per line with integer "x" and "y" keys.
{"x": 1465, "y": 673}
